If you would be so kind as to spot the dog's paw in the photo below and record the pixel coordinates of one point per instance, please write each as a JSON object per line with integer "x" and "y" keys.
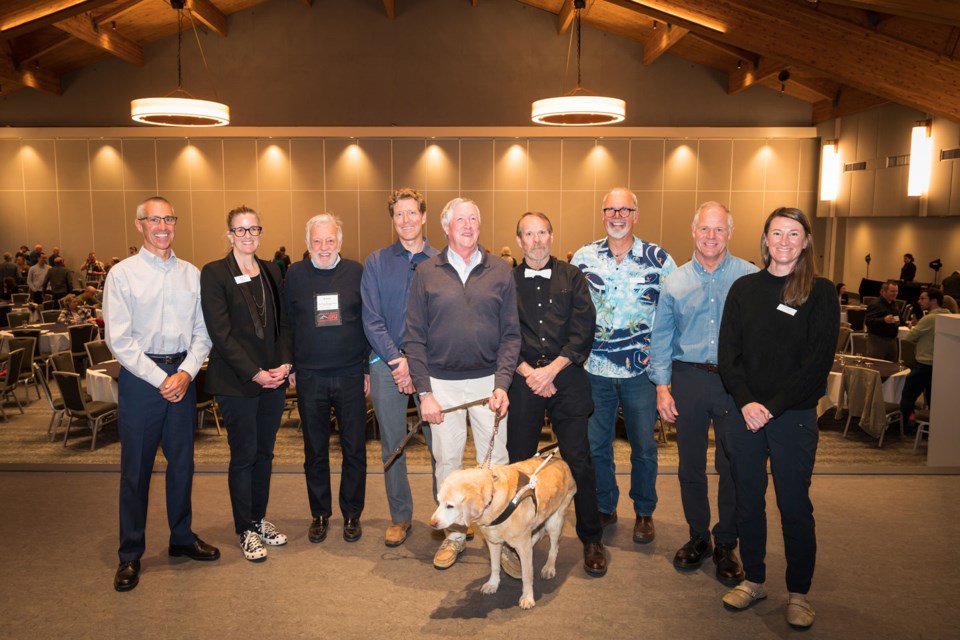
{"x": 548, "y": 572}
{"x": 527, "y": 602}
{"x": 489, "y": 588}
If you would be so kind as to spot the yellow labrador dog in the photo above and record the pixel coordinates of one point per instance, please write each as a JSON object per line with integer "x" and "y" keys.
{"x": 480, "y": 496}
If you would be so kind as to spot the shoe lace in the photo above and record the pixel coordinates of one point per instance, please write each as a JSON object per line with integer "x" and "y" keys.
{"x": 251, "y": 541}
{"x": 266, "y": 529}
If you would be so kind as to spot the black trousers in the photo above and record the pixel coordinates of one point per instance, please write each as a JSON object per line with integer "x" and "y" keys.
{"x": 252, "y": 425}
{"x": 700, "y": 398}
{"x": 568, "y": 411}
{"x": 790, "y": 442}
{"x": 919, "y": 380}
{"x": 316, "y": 394}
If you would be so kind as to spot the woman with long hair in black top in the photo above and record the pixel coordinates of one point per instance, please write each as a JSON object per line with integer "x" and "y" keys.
{"x": 777, "y": 341}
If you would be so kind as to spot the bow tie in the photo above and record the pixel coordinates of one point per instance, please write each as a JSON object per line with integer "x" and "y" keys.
{"x": 533, "y": 273}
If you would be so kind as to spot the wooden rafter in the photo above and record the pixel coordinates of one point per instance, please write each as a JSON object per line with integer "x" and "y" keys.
{"x": 848, "y": 101}
{"x": 209, "y": 15}
{"x": 390, "y": 9}
{"x": 565, "y": 17}
{"x": 940, "y": 11}
{"x": 661, "y": 41}
{"x": 24, "y": 17}
{"x": 29, "y": 76}
{"x": 750, "y": 74}
{"x": 84, "y": 28}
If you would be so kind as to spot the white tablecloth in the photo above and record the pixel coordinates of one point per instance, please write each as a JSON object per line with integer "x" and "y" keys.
{"x": 49, "y": 342}
{"x": 101, "y": 386}
{"x": 892, "y": 390}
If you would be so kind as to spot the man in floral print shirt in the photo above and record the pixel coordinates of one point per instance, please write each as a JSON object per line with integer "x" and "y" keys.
{"x": 624, "y": 274}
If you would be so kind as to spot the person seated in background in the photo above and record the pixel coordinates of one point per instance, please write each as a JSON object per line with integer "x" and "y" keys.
{"x": 883, "y": 321}
{"x": 73, "y": 313}
{"x": 920, "y": 378}
{"x": 951, "y": 285}
{"x": 909, "y": 269}
{"x": 90, "y": 297}
{"x": 842, "y": 293}
{"x": 507, "y": 256}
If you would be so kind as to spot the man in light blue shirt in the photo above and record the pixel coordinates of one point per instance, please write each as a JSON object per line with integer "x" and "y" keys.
{"x": 624, "y": 274}
{"x": 683, "y": 352}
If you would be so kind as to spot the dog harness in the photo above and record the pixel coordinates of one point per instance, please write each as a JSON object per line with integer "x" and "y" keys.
{"x": 527, "y": 486}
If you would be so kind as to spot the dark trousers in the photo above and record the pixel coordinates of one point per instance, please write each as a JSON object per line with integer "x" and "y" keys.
{"x": 146, "y": 422}
{"x": 919, "y": 380}
{"x": 316, "y": 394}
{"x": 568, "y": 411}
{"x": 700, "y": 398}
{"x": 252, "y": 425}
{"x": 790, "y": 442}
{"x": 882, "y": 348}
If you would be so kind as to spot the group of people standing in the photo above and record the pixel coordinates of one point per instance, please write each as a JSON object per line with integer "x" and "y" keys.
{"x": 617, "y": 329}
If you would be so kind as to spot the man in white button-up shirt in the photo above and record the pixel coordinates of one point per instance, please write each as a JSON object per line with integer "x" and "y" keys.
{"x": 154, "y": 327}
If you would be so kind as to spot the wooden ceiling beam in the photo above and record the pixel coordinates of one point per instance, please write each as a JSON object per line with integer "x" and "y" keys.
{"x": 390, "y": 9}
{"x": 118, "y": 12}
{"x": 661, "y": 42}
{"x": 27, "y": 17}
{"x": 937, "y": 11}
{"x": 750, "y": 74}
{"x": 747, "y": 57}
{"x": 103, "y": 37}
{"x": 208, "y": 15}
{"x": 847, "y": 102}
{"x": 53, "y": 46}
{"x": 29, "y": 76}
{"x": 565, "y": 17}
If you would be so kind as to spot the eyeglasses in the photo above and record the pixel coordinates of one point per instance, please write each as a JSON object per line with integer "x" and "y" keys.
{"x": 622, "y": 212}
{"x": 171, "y": 220}
{"x": 242, "y": 231}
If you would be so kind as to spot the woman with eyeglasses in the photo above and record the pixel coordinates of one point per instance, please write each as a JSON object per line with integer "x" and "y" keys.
{"x": 776, "y": 346}
{"x": 249, "y": 365}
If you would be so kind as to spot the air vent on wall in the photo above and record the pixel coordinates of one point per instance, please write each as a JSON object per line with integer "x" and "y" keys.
{"x": 898, "y": 161}
{"x": 855, "y": 166}
{"x": 949, "y": 154}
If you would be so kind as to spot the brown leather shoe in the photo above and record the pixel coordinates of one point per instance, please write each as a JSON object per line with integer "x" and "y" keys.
{"x": 643, "y": 530}
{"x": 607, "y": 519}
{"x": 594, "y": 559}
{"x": 396, "y": 534}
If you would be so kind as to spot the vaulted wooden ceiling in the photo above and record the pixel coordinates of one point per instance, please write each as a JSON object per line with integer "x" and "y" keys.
{"x": 842, "y": 56}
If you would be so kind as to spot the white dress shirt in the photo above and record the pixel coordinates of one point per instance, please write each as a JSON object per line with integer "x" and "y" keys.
{"x": 463, "y": 267}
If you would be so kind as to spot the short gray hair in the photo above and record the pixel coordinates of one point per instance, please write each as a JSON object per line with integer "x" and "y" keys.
{"x": 711, "y": 204}
{"x": 632, "y": 195}
{"x": 325, "y": 218}
{"x": 448, "y": 210}
{"x": 142, "y": 207}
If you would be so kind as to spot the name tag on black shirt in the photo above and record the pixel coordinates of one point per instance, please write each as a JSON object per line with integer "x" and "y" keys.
{"x": 328, "y": 310}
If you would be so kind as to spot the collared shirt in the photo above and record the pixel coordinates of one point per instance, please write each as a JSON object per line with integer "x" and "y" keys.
{"x": 462, "y": 267}
{"x": 625, "y": 296}
{"x": 333, "y": 266}
{"x": 36, "y": 275}
{"x": 385, "y": 285}
{"x": 152, "y": 306}
{"x": 557, "y": 317}
{"x": 687, "y": 326}
{"x": 923, "y": 334}
{"x": 874, "y": 318}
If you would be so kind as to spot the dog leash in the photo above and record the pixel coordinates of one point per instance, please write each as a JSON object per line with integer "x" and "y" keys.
{"x": 412, "y": 431}
{"x": 527, "y": 485}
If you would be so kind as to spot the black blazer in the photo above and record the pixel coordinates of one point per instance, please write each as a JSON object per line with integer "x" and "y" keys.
{"x": 239, "y": 345}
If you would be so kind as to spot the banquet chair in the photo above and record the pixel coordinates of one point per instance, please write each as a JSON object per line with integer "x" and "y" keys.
{"x": 843, "y": 338}
{"x": 856, "y": 317}
{"x": 98, "y": 351}
{"x": 861, "y": 394}
{"x": 950, "y": 304}
{"x": 18, "y": 318}
{"x": 95, "y": 413}
{"x": 206, "y": 403}
{"x": 80, "y": 335}
{"x": 29, "y": 347}
{"x": 868, "y": 299}
{"x": 922, "y": 420}
{"x": 56, "y": 406}
{"x": 41, "y": 358}
{"x": 50, "y": 315}
{"x": 10, "y": 368}
{"x": 21, "y": 298}
{"x": 62, "y": 361}
{"x": 50, "y": 305}
{"x": 4, "y": 310}
{"x": 858, "y": 343}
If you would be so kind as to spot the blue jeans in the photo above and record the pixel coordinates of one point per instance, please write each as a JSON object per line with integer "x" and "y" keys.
{"x": 638, "y": 397}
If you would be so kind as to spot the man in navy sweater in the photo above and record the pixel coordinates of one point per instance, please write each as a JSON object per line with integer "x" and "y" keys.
{"x": 330, "y": 359}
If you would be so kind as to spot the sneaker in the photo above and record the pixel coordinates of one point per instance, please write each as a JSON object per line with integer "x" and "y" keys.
{"x": 252, "y": 546}
{"x": 800, "y": 614}
{"x": 743, "y": 595}
{"x": 510, "y": 562}
{"x": 269, "y": 534}
{"x": 448, "y": 553}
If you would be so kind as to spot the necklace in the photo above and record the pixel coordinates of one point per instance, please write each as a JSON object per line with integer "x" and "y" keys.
{"x": 617, "y": 256}
{"x": 262, "y": 305}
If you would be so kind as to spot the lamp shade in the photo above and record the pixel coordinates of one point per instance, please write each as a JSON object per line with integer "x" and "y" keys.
{"x": 578, "y": 110}
{"x": 170, "y": 111}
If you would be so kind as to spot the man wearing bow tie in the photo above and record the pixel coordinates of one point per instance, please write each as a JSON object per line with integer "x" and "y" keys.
{"x": 557, "y": 321}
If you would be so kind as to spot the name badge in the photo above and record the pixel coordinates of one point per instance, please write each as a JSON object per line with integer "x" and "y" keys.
{"x": 241, "y": 278}
{"x": 327, "y": 310}
{"x": 787, "y": 310}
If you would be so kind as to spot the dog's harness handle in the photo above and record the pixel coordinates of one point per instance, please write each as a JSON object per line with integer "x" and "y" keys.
{"x": 526, "y": 486}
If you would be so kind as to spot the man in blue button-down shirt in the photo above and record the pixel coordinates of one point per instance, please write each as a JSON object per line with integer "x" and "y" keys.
{"x": 385, "y": 285}
{"x": 683, "y": 352}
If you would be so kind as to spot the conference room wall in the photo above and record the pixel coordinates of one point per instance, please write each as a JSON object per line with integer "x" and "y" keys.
{"x": 81, "y": 193}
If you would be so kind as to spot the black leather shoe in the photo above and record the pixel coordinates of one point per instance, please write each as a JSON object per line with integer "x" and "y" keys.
{"x": 128, "y": 576}
{"x": 643, "y": 530}
{"x": 729, "y": 569}
{"x": 199, "y": 550}
{"x": 352, "y": 530}
{"x": 607, "y": 519}
{"x": 318, "y": 529}
{"x": 594, "y": 559}
{"x": 692, "y": 554}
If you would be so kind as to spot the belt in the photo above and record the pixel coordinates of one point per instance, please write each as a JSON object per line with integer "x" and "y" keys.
{"x": 705, "y": 366}
{"x": 541, "y": 362}
{"x": 173, "y": 358}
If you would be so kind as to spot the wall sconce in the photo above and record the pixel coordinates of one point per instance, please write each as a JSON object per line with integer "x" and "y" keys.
{"x": 921, "y": 159}
{"x": 830, "y": 170}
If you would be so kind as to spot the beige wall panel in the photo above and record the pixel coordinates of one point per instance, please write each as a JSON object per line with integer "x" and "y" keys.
{"x": 273, "y": 164}
{"x": 890, "y": 195}
{"x": 374, "y": 164}
{"x": 674, "y": 232}
{"x": 508, "y": 207}
{"x": 76, "y": 216}
{"x": 713, "y": 165}
{"x": 306, "y": 204}
{"x": 435, "y": 203}
{"x": 232, "y": 200}
{"x": 73, "y": 165}
{"x": 577, "y": 165}
{"x": 275, "y": 214}
{"x": 345, "y": 205}
{"x": 842, "y": 203}
{"x": 476, "y": 165}
{"x": 307, "y": 164}
{"x": 887, "y": 239}
{"x": 409, "y": 164}
{"x": 174, "y": 165}
{"x": 139, "y": 165}
{"x": 774, "y": 199}
{"x": 13, "y": 221}
{"x": 955, "y": 191}
{"x": 544, "y": 165}
{"x": 39, "y": 162}
{"x": 649, "y": 224}
{"x": 612, "y": 161}
{"x": 109, "y": 225}
{"x": 749, "y": 165}
{"x": 43, "y": 222}
{"x": 808, "y": 176}
{"x": 213, "y": 205}
{"x": 866, "y": 136}
{"x": 106, "y": 164}
{"x": 783, "y": 165}
{"x": 510, "y": 166}
{"x": 723, "y": 197}
{"x": 443, "y": 165}
{"x": 205, "y": 163}
{"x": 210, "y": 231}
{"x": 11, "y": 172}
{"x": 240, "y": 164}
{"x": 941, "y": 179}
{"x": 376, "y": 226}
{"x": 646, "y": 164}
{"x": 485, "y": 202}
{"x": 185, "y": 236}
{"x": 893, "y": 129}
{"x": 861, "y": 192}
{"x": 807, "y": 201}
{"x": 579, "y": 219}
{"x": 680, "y": 168}
{"x": 341, "y": 167}
{"x": 751, "y": 215}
